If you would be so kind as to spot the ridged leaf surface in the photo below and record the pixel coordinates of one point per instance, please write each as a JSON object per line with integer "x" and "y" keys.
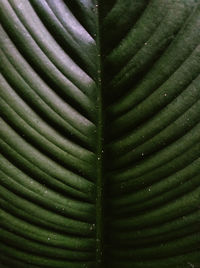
{"x": 100, "y": 133}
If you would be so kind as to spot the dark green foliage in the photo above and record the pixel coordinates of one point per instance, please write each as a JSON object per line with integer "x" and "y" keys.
{"x": 100, "y": 133}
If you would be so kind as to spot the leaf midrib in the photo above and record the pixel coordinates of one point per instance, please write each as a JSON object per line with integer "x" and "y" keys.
{"x": 99, "y": 151}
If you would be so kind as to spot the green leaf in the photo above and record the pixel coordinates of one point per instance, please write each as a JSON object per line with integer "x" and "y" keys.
{"x": 100, "y": 133}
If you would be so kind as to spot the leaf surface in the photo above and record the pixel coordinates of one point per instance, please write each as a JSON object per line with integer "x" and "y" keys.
{"x": 99, "y": 133}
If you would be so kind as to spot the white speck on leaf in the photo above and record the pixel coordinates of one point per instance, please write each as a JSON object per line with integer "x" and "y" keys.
{"x": 191, "y": 265}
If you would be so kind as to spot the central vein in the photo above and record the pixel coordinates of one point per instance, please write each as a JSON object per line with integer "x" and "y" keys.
{"x": 100, "y": 151}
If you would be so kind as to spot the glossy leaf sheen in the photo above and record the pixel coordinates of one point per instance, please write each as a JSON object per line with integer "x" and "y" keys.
{"x": 100, "y": 133}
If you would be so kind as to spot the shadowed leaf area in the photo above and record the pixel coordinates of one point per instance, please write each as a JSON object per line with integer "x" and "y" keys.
{"x": 100, "y": 134}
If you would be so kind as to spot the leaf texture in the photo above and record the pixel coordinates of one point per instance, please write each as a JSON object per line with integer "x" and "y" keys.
{"x": 100, "y": 133}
